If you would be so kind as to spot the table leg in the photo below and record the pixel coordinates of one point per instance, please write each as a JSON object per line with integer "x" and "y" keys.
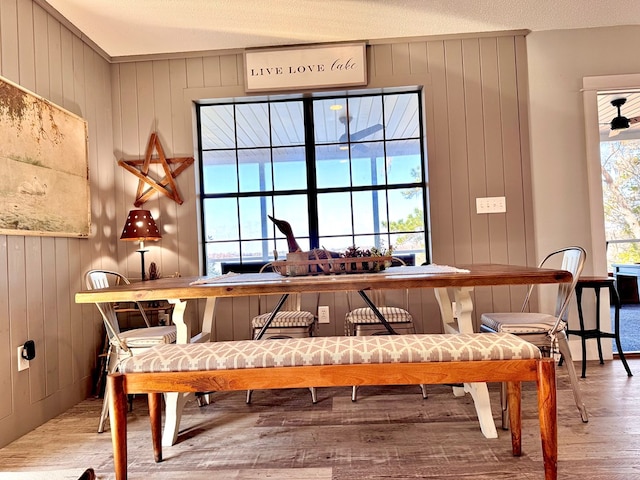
{"x": 175, "y": 401}
{"x": 464, "y": 308}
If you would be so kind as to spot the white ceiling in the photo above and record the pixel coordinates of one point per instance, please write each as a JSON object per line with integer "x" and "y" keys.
{"x": 139, "y": 27}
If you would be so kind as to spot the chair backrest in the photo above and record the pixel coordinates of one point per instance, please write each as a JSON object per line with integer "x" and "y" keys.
{"x": 571, "y": 259}
{"x": 97, "y": 279}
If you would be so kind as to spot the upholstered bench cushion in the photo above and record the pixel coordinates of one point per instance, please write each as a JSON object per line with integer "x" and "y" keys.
{"x": 519, "y": 322}
{"x": 148, "y": 337}
{"x": 390, "y": 314}
{"x": 285, "y": 319}
{"x": 330, "y": 351}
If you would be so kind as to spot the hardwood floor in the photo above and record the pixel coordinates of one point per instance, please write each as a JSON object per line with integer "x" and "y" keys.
{"x": 389, "y": 433}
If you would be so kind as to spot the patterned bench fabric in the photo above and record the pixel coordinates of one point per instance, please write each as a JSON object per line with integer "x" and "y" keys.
{"x": 330, "y": 351}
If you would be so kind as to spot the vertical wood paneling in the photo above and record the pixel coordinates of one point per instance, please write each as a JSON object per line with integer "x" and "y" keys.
{"x": 440, "y": 187}
{"x": 182, "y": 131}
{"x": 26, "y": 42}
{"x": 35, "y": 316}
{"x": 475, "y": 148}
{"x": 167, "y": 247}
{"x": 458, "y": 159}
{"x": 474, "y": 114}
{"x": 54, "y": 48}
{"x": 212, "y": 77}
{"x": 40, "y": 275}
{"x": 523, "y": 119}
{"x": 195, "y": 73}
{"x": 7, "y": 360}
{"x": 401, "y": 60}
{"x": 41, "y": 54}
{"x": 61, "y": 278}
{"x": 52, "y": 342}
{"x": 19, "y": 332}
{"x": 229, "y": 70}
{"x": 513, "y": 178}
{"x": 9, "y": 45}
{"x": 382, "y": 60}
{"x": 418, "y": 58}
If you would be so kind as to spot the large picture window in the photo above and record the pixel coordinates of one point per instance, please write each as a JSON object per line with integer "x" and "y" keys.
{"x": 343, "y": 171}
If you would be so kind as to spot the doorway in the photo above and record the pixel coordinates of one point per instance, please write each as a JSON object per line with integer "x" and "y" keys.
{"x": 619, "y": 149}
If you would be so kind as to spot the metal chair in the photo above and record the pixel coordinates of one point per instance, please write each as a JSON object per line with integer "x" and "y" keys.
{"x": 289, "y": 322}
{"x": 363, "y": 321}
{"x": 123, "y": 344}
{"x": 547, "y": 331}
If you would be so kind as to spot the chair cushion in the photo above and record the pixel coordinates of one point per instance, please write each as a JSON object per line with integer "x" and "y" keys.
{"x": 391, "y": 315}
{"x": 331, "y": 351}
{"x": 147, "y": 337}
{"x": 291, "y": 318}
{"x": 518, "y": 322}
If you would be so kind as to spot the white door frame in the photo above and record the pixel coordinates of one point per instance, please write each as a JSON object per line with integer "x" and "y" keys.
{"x": 591, "y": 86}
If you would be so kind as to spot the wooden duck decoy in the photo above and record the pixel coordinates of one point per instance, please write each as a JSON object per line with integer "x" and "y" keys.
{"x": 292, "y": 243}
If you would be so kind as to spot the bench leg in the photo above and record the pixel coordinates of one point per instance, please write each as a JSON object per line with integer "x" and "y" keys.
{"x": 514, "y": 395}
{"x": 547, "y": 411}
{"x": 118, "y": 420}
{"x": 155, "y": 417}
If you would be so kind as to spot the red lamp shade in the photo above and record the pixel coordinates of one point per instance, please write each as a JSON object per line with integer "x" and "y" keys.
{"x": 140, "y": 226}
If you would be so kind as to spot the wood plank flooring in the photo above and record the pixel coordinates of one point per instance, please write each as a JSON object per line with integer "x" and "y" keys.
{"x": 389, "y": 433}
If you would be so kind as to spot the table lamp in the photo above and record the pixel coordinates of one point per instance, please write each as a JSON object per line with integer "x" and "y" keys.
{"x": 140, "y": 226}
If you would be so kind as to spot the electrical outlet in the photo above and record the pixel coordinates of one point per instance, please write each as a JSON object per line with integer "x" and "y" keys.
{"x": 323, "y": 314}
{"x": 491, "y": 205}
{"x": 23, "y": 363}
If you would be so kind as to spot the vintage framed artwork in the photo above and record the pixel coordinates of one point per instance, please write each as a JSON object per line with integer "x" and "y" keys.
{"x": 44, "y": 188}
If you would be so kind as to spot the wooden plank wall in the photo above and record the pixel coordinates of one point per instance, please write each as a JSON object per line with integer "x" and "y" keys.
{"x": 40, "y": 275}
{"x": 475, "y": 116}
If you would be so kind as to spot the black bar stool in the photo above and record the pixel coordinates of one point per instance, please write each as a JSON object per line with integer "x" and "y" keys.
{"x": 597, "y": 283}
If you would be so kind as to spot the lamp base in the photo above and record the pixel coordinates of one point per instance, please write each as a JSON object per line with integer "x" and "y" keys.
{"x": 142, "y": 252}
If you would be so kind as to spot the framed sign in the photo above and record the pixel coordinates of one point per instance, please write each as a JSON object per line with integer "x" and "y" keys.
{"x": 303, "y": 68}
{"x": 44, "y": 188}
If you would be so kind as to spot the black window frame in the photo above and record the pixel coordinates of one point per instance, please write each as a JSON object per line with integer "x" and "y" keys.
{"x": 312, "y": 191}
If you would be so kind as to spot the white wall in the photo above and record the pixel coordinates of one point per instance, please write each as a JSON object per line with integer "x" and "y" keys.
{"x": 567, "y": 199}
{"x": 558, "y": 62}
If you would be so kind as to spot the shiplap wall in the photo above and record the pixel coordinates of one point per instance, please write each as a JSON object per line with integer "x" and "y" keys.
{"x": 476, "y": 124}
{"x": 40, "y": 275}
{"x": 475, "y": 116}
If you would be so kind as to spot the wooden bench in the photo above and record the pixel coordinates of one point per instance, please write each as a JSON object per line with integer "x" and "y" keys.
{"x": 336, "y": 361}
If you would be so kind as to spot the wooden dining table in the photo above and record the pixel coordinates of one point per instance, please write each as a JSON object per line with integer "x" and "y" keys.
{"x": 452, "y": 285}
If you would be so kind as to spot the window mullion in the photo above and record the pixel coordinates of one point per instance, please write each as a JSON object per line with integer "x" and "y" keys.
{"x": 310, "y": 153}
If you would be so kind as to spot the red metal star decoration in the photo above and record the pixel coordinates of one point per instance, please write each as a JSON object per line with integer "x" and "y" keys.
{"x": 166, "y": 185}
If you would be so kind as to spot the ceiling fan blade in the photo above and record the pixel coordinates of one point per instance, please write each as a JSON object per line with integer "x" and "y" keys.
{"x": 361, "y": 134}
{"x": 633, "y": 120}
{"x": 614, "y": 133}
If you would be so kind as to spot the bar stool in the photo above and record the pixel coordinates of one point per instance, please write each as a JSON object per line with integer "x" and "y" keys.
{"x": 597, "y": 283}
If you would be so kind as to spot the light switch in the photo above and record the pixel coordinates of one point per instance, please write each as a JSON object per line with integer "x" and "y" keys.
{"x": 491, "y": 205}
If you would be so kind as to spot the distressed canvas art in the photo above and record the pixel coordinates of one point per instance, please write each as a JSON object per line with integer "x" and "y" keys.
{"x": 44, "y": 185}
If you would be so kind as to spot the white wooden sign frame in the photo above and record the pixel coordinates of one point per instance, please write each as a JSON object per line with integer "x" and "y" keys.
{"x": 304, "y": 68}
